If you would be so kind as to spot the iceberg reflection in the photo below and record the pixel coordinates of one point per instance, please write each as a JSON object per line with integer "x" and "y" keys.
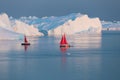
{"x": 10, "y": 45}
{"x": 86, "y": 41}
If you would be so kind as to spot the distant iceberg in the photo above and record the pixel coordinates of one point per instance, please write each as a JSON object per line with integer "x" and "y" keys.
{"x": 107, "y": 25}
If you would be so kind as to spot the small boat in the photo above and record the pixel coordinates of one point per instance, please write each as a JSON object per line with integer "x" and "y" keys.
{"x": 25, "y": 41}
{"x": 63, "y": 42}
{"x": 25, "y": 44}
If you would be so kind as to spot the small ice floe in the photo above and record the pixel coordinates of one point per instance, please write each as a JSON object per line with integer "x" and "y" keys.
{"x": 68, "y": 54}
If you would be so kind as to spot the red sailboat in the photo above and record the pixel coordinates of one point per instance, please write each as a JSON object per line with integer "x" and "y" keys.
{"x": 63, "y": 42}
{"x": 25, "y": 41}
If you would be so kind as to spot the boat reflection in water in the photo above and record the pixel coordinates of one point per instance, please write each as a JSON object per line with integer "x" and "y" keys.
{"x": 63, "y": 53}
{"x": 63, "y": 49}
{"x": 26, "y": 47}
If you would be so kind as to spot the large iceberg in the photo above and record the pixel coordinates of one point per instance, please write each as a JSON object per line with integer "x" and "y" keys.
{"x": 16, "y": 27}
{"x": 80, "y": 24}
{"x": 6, "y": 31}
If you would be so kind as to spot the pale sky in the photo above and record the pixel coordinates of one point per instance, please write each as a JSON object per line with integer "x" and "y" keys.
{"x": 104, "y": 9}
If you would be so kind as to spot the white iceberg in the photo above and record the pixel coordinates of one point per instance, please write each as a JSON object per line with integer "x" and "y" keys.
{"x": 80, "y": 24}
{"x": 6, "y": 31}
{"x": 15, "y": 27}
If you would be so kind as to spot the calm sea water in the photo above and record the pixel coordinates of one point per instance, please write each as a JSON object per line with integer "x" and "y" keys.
{"x": 92, "y": 57}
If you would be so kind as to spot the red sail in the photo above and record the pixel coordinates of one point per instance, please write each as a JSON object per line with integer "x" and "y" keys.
{"x": 25, "y": 39}
{"x": 63, "y": 40}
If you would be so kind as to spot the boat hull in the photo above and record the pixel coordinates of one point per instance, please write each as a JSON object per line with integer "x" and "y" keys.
{"x": 64, "y": 45}
{"x": 25, "y": 44}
